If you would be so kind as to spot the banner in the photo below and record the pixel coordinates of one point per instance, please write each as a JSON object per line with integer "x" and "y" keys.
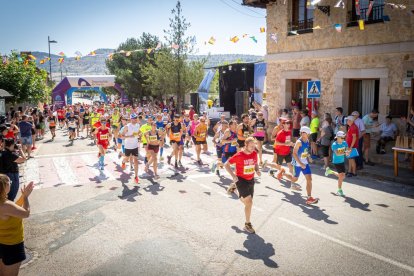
{"x": 206, "y": 82}
{"x": 259, "y": 81}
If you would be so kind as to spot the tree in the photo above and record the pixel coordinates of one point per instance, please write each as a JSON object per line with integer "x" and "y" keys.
{"x": 175, "y": 36}
{"x": 24, "y": 80}
{"x": 127, "y": 69}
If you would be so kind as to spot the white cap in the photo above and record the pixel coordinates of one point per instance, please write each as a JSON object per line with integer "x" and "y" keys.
{"x": 350, "y": 118}
{"x": 340, "y": 134}
{"x": 305, "y": 129}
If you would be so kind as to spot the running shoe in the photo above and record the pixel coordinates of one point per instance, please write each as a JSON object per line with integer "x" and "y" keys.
{"x": 295, "y": 187}
{"x": 272, "y": 172}
{"x": 123, "y": 166}
{"x": 218, "y": 172}
{"x": 179, "y": 163}
{"x": 231, "y": 188}
{"x": 200, "y": 162}
{"x": 169, "y": 159}
{"x": 340, "y": 193}
{"x": 264, "y": 164}
{"x": 101, "y": 167}
{"x": 162, "y": 158}
{"x": 176, "y": 164}
{"x": 213, "y": 167}
{"x": 328, "y": 171}
{"x": 349, "y": 174}
{"x": 311, "y": 200}
{"x": 279, "y": 175}
{"x": 136, "y": 179}
{"x": 249, "y": 228}
{"x": 156, "y": 176}
{"x": 119, "y": 155}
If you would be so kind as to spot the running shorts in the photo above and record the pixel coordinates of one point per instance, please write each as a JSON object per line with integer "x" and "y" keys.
{"x": 241, "y": 143}
{"x": 258, "y": 138}
{"x": 297, "y": 170}
{"x": 154, "y": 148}
{"x": 340, "y": 168}
{"x": 245, "y": 187}
{"x": 287, "y": 158}
{"x": 12, "y": 254}
{"x": 133, "y": 152}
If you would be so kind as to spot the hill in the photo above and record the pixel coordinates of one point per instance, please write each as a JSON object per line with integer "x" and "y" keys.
{"x": 95, "y": 65}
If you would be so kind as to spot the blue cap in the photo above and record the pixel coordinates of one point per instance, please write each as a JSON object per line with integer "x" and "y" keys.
{"x": 133, "y": 116}
{"x": 165, "y": 110}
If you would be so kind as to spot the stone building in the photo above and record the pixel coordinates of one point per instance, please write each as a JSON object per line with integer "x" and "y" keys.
{"x": 358, "y": 69}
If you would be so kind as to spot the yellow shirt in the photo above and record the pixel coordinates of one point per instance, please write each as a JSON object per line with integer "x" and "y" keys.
{"x": 11, "y": 231}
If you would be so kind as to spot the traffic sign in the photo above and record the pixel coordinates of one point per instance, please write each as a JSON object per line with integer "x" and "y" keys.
{"x": 314, "y": 89}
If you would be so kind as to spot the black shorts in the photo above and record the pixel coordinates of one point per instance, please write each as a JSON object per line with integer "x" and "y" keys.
{"x": 340, "y": 168}
{"x": 295, "y": 132}
{"x": 219, "y": 151}
{"x": 241, "y": 143}
{"x": 85, "y": 122}
{"x": 287, "y": 158}
{"x": 313, "y": 137}
{"x": 201, "y": 142}
{"x": 133, "y": 152}
{"x": 324, "y": 151}
{"x": 245, "y": 187}
{"x": 12, "y": 254}
{"x": 52, "y": 127}
{"x": 72, "y": 129}
{"x": 61, "y": 119}
{"x": 259, "y": 138}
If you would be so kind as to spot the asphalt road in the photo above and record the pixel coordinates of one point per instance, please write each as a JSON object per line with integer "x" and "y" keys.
{"x": 85, "y": 222}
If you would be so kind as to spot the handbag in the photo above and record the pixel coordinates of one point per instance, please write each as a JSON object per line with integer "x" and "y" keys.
{"x": 353, "y": 153}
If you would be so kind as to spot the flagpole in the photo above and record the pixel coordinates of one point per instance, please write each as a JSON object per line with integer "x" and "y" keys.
{"x": 61, "y": 73}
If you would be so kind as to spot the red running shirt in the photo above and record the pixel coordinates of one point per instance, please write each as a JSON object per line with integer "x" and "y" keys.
{"x": 245, "y": 164}
{"x": 103, "y": 137}
{"x": 283, "y": 136}
{"x": 352, "y": 130}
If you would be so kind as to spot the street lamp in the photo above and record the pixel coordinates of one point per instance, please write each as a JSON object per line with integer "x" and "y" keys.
{"x": 50, "y": 61}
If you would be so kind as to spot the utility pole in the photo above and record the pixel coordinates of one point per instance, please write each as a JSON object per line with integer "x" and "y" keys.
{"x": 50, "y": 61}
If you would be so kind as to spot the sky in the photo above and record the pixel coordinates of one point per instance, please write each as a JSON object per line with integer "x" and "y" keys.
{"x": 86, "y": 25}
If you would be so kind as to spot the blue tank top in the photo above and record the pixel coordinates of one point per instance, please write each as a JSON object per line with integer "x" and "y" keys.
{"x": 232, "y": 146}
{"x": 159, "y": 124}
{"x": 303, "y": 152}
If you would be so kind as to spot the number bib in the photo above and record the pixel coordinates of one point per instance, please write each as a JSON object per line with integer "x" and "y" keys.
{"x": 304, "y": 155}
{"x": 203, "y": 134}
{"x": 340, "y": 151}
{"x": 246, "y": 134}
{"x": 103, "y": 137}
{"x": 249, "y": 169}
{"x": 176, "y": 135}
{"x": 152, "y": 138}
{"x": 259, "y": 129}
{"x": 234, "y": 143}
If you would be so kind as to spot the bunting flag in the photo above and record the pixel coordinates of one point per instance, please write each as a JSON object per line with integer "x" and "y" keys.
{"x": 245, "y": 35}
{"x": 62, "y": 54}
{"x": 212, "y": 40}
{"x": 371, "y": 4}
{"x": 61, "y": 60}
{"x": 175, "y": 46}
{"x": 338, "y": 28}
{"x": 254, "y": 39}
{"x": 5, "y": 60}
{"x": 110, "y": 56}
{"x": 262, "y": 30}
{"x": 78, "y": 54}
{"x": 93, "y": 53}
{"x": 78, "y": 58}
{"x": 361, "y": 24}
{"x": 273, "y": 37}
{"x": 234, "y": 39}
{"x": 149, "y": 51}
{"x": 317, "y": 28}
{"x": 42, "y": 61}
{"x": 158, "y": 46}
{"x": 19, "y": 58}
{"x": 26, "y": 62}
{"x": 128, "y": 53}
{"x": 31, "y": 57}
{"x": 47, "y": 58}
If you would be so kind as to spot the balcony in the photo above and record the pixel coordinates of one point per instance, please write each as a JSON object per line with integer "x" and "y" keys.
{"x": 301, "y": 26}
{"x": 376, "y": 16}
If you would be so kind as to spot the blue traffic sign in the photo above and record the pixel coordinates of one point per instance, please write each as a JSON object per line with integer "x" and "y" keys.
{"x": 314, "y": 89}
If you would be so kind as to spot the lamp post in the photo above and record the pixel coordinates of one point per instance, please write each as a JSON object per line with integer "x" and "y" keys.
{"x": 50, "y": 61}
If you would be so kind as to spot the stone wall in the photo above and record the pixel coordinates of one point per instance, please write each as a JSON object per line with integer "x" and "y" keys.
{"x": 398, "y": 29}
{"x": 334, "y": 72}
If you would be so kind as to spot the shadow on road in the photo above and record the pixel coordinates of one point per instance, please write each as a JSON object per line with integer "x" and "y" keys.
{"x": 314, "y": 212}
{"x": 129, "y": 194}
{"x": 154, "y": 189}
{"x": 256, "y": 248}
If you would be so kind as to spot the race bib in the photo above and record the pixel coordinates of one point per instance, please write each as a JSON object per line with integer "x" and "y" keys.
{"x": 248, "y": 169}
{"x": 287, "y": 139}
{"x": 165, "y": 122}
{"x": 246, "y": 134}
{"x": 340, "y": 151}
{"x": 234, "y": 143}
{"x": 260, "y": 129}
{"x": 176, "y": 135}
{"x": 104, "y": 137}
{"x": 152, "y": 138}
{"x": 304, "y": 155}
{"x": 135, "y": 133}
{"x": 203, "y": 134}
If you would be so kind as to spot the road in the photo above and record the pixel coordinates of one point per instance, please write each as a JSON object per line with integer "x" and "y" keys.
{"x": 85, "y": 222}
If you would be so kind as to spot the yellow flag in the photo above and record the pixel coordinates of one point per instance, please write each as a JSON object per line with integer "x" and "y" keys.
{"x": 32, "y": 57}
{"x": 61, "y": 60}
{"x": 42, "y": 61}
{"x": 234, "y": 39}
{"x": 212, "y": 40}
{"x": 149, "y": 51}
{"x": 262, "y": 30}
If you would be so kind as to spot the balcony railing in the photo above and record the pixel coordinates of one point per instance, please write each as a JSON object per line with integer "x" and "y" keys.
{"x": 376, "y": 16}
{"x": 301, "y": 26}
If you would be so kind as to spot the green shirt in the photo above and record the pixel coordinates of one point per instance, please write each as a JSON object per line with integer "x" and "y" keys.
{"x": 144, "y": 129}
{"x": 314, "y": 125}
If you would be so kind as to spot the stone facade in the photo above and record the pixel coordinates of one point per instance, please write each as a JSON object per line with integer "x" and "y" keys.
{"x": 383, "y": 51}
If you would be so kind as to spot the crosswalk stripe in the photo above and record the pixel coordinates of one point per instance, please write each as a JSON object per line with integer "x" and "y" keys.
{"x": 92, "y": 165}
{"x": 31, "y": 171}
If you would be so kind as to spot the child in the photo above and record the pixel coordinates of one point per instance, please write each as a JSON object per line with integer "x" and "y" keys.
{"x": 339, "y": 149}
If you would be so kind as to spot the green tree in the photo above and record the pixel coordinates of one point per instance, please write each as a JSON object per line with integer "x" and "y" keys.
{"x": 127, "y": 69}
{"x": 24, "y": 80}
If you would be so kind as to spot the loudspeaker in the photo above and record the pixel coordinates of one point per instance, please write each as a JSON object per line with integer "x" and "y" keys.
{"x": 242, "y": 102}
{"x": 194, "y": 101}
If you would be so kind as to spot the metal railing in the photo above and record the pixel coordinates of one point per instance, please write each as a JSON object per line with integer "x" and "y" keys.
{"x": 301, "y": 26}
{"x": 376, "y": 16}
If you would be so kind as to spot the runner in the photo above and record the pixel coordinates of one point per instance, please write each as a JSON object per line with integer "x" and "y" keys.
{"x": 115, "y": 120}
{"x": 259, "y": 126}
{"x": 161, "y": 126}
{"x": 51, "y": 119}
{"x": 194, "y": 123}
{"x": 218, "y": 142}
{"x": 130, "y": 134}
{"x": 176, "y": 131}
{"x": 200, "y": 135}
{"x": 243, "y": 131}
{"x": 103, "y": 136}
{"x": 339, "y": 150}
{"x": 94, "y": 118}
{"x": 86, "y": 121}
{"x": 246, "y": 166}
{"x": 207, "y": 123}
{"x": 61, "y": 117}
{"x": 144, "y": 129}
{"x": 186, "y": 134}
{"x": 72, "y": 122}
{"x": 120, "y": 140}
{"x": 155, "y": 139}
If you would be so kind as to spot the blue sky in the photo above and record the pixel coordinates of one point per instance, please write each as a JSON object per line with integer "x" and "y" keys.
{"x": 85, "y": 25}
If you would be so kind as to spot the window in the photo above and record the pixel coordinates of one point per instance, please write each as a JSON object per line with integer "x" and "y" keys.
{"x": 398, "y": 108}
{"x": 376, "y": 15}
{"x": 363, "y": 95}
{"x": 302, "y": 17}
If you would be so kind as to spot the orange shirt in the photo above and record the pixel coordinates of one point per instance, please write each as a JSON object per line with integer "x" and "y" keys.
{"x": 201, "y": 132}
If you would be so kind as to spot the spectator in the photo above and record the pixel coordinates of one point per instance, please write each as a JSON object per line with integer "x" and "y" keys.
{"x": 361, "y": 131}
{"x": 9, "y": 161}
{"x": 327, "y": 136}
{"x": 352, "y": 142}
{"x": 370, "y": 122}
{"x": 296, "y": 123}
{"x": 26, "y": 135}
{"x": 314, "y": 128}
{"x": 340, "y": 124}
{"x": 191, "y": 112}
{"x": 11, "y": 227}
{"x": 294, "y": 104}
{"x": 305, "y": 121}
{"x": 388, "y": 131}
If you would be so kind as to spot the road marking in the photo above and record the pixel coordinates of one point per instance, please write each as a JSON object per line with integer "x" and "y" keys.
{"x": 92, "y": 161}
{"x": 345, "y": 244}
{"x": 202, "y": 185}
{"x": 31, "y": 171}
{"x": 65, "y": 154}
{"x": 64, "y": 171}
{"x": 258, "y": 209}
